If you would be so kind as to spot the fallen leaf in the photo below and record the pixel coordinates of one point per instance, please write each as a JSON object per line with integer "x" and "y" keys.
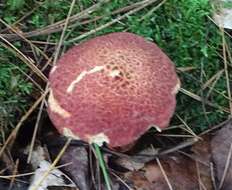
{"x": 138, "y": 180}
{"x": 54, "y": 178}
{"x": 136, "y": 161}
{"x": 202, "y": 157}
{"x": 78, "y": 169}
{"x": 221, "y": 148}
{"x": 180, "y": 171}
{"x": 76, "y": 157}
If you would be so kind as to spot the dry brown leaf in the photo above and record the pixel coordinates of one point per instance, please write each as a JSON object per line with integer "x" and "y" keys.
{"x": 138, "y": 180}
{"x": 136, "y": 162}
{"x": 202, "y": 157}
{"x": 220, "y": 146}
{"x": 75, "y": 156}
{"x": 181, "y": 173}
{"x": 129, "y": 164}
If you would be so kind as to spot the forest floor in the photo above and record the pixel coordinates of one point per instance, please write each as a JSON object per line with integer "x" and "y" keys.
{"x": 35, "y": 33}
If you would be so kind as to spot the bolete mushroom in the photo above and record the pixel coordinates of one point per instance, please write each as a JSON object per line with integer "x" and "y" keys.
{"x": 112, "y": 89}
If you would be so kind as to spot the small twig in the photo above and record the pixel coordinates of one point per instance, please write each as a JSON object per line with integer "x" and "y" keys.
{"x": 91, "y": 164}
{"x": 226, "y": 69}
{"x": 24, "y": 58}
{"x": 186, "y": 125}
{"x": 164, "y": 173}
{"x": 212, "y": 174}
{"x": 198, "y": 175}
{"x": 44, "y": 43}
{"x": 18, "y": 126}
{"x": 200, "y": 182}
{"x": 58, "y": 26}
{"x": 212, "y": 87}
{"x": 193, "y": 157}
{"x": 35, "y": 130}
{"x": 113, "y": 21}
{"x": 63, "y": 32}
{"x": 180, "y": 146}
{"x": 185, "y": 69}
{"x": 14, "y": 173}
{"x": 118, "y": 11}
{"x": 30, "y": 78}
{"x": 198, "y": 98}
{"x": 176, "y": 135}
{"x": 229, "y": 54}
{"x": 36, "y": 186}
{"x": 228, "y": 161}
{"x": 210, "y": 81}
{"x": 29, "y": 173}
{"x": 26, "y": 40}
{"x": 201, "y": 91}
{"x": 228, "y": 121}
{"x": 152, "y": 10}
{"x": 123, "y": 182}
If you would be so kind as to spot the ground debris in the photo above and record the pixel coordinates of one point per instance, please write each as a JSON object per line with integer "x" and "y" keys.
{"x": 55, "y": 178}
{"x": 180, "y": 173}
{"x": 78, "y": 170}
{"x": 223, "y": 17}
{"x": 202, "y": 157}
{"x": 221, "y": 152}
{"x": 203, "y": 164}
{"x": 190, "y": 170}
{"x": 75, "y": 159}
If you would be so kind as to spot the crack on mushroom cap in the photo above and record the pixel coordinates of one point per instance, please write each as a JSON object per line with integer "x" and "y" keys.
{"x": 55, "y": 107}
{"x": 176, "y": 88}
{"x": 114, "y": 73}
{"x": 158, "y": 128}
{"x": 81, "y": 76}
{"x": 68, "y": 133}
{"x": 53, "y": 69}
{"x": 98, "y": 139}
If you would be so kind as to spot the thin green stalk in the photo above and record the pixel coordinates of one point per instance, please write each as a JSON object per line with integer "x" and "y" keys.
{"x": 102, "y": 165}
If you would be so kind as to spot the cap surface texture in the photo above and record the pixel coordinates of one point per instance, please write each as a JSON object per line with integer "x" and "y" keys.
{"x": 112, "y": 89}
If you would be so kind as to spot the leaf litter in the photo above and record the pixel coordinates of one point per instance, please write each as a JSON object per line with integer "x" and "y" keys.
{"x": 205, "y": 164}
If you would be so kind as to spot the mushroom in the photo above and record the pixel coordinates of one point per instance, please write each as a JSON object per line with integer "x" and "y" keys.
{"x": 112, "y": 89}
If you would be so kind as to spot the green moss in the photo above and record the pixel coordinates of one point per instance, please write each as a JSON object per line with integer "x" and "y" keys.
{"x": 14, "y": 88}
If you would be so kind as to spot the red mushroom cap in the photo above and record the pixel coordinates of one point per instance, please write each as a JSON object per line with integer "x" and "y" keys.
{"x": 112, "y": 89}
